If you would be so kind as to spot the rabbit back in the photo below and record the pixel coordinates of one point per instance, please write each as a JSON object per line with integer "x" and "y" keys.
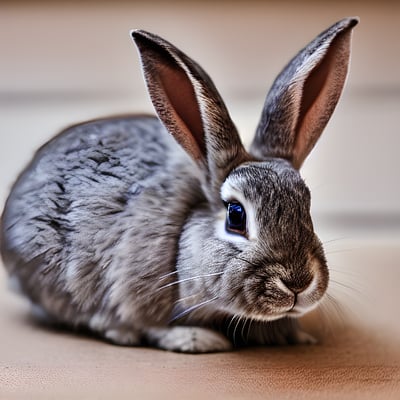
{"x": 82, "y": 221}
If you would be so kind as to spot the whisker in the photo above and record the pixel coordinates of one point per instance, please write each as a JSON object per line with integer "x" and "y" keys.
{"x": 335, "y": 310}
{"x": 340, "y": 251}
{"x": 167, "y": 275}
{"x": 346, "y": 286}
{"x": 189, "y": 279}
{"x": 243, "y": 327}
{"x": 235, "y": 316}
{"x": 355, "y": 289}
{"x": 335, "y": 240}
{"x": 234, "y": 331}
{"x": 344, "y": 272}
{"x": 186, "y": 298}
{"x": 192, "y": 308}
{"x": 249, "y": 329}
{"x": 326, "y": 317}
{"x": 334, "y": 302}
{"x": 174, "y": 272}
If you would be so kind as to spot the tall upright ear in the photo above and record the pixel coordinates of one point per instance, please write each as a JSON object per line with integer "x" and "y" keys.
{"x": 190, "y": 107}
{"x": 304, "y": 96}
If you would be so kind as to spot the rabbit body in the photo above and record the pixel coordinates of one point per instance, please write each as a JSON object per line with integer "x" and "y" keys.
{"x": 81, "y": 219}
{"x": 192, "y": 244}
{"x": 84, "y": 213}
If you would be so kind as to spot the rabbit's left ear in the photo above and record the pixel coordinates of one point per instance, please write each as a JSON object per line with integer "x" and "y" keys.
{"x": 304, "y": 96}
{"x": 191, "y": 108}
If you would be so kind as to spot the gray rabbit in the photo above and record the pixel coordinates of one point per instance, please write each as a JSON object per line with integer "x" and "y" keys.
{"x": 186, "y": 242}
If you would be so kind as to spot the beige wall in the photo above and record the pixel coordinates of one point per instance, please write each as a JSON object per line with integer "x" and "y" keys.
{"x": 61, "y": 63}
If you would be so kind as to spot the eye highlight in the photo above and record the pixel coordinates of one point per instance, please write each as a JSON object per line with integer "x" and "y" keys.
{"x": 235, "y": 218}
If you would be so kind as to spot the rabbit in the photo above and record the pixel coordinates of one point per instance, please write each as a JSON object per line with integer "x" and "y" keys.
{"x": 165, "y": 231}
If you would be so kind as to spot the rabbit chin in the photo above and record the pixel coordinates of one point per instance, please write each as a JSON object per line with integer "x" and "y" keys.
{"x": 295, "y": 312}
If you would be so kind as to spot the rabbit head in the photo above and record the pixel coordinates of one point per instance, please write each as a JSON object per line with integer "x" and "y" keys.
{"x": 252, "y": 245}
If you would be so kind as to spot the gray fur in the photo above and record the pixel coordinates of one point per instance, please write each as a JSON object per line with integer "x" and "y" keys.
{"x": 71, "y": 219}
{"x": 113, "y": 227}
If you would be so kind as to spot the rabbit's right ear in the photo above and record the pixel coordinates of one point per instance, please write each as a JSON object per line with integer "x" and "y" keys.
{"x": 304, "y": 96}
{"x": 191, "y": 108}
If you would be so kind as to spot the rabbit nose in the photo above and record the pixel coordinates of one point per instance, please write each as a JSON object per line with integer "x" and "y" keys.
{"x": 297, "y": 285}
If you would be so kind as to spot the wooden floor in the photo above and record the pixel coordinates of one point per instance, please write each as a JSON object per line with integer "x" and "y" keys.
{"x": 63, "y": 63}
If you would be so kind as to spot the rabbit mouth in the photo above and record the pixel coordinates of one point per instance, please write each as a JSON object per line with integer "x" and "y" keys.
{"x": 298, "y": 311}
{"x": 293, "y": 312}
{"x": 283, "y": 300}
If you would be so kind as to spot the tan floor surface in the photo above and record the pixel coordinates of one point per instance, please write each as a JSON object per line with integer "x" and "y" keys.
{"x": 358, "y": 356}
{"x": 54, "y": 72}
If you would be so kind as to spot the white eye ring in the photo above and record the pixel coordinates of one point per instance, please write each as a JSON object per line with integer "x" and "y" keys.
{"x": 223, "y": 234}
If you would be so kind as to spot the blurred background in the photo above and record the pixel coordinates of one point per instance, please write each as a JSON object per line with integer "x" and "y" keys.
{"x": 66, "y": 61}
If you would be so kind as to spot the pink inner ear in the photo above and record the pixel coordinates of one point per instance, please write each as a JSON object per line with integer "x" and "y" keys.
{"x": 312, "y": 116}
{"x": 321, "y": 92}
{"x": 314, "y": 84}
{"x": 183, "y": 104}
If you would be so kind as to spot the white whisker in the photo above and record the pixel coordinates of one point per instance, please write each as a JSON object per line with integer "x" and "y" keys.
{"x": 189, "y": 279}
{"x": 234, "y": 331}
{"x": 249, "y": 329}
{"x": 230, "y": 323}
{"x": 192, "y": 308}
{"x": 339, "y": 251}
{"x": 326, "y": 317}
{"x": 167, "y": 275}
{"x": 344, "y": 272}
{"x": 345, "y": 286}
{"x": 334, "y": 312}
{"x": 183, "y": 299}
{"x": 334, "y": 241}
{"x": 243, "y": 327}
{"x": 175, "y": 272}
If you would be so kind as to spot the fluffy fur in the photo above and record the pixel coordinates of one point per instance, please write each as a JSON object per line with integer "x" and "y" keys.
{"x": 116, "y": 227}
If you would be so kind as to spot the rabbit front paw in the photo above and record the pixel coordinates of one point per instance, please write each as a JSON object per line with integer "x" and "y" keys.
{"x": 188, "y": 339}
{"x": 122, "y": 336}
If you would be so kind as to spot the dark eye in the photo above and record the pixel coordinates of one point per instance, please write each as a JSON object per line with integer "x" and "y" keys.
{"x": 235, "y": 218}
